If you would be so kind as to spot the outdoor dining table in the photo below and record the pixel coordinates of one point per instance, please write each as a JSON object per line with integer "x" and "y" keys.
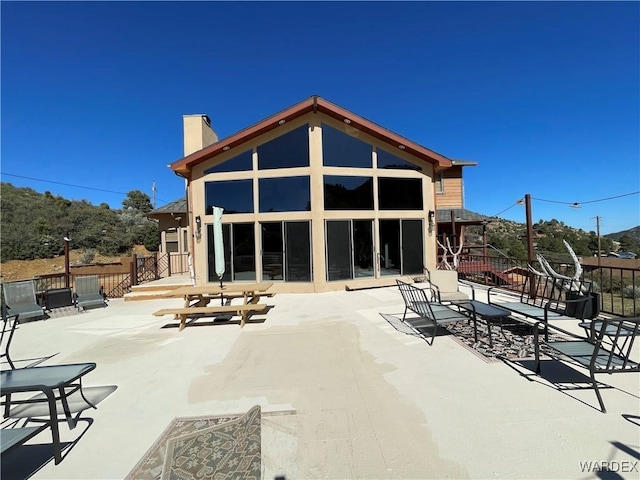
{"x": 201, "y": 295}
{"x": 490, "y": 313}
{"x": 65, "y": 379}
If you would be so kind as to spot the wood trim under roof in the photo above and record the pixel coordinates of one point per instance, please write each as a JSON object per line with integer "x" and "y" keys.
{"x": 313, "y": 104}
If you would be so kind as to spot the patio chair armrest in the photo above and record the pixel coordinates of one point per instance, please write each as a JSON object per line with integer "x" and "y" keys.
{"x": 470, "y": 285}
{"x": 435, "y": 291}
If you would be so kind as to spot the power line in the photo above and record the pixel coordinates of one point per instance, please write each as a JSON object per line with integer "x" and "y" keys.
{"x": 61, "y": 183}
{"x": 71, "y": 185}
{"x": 508, "y": 208}
{"x": 577, "y": 204}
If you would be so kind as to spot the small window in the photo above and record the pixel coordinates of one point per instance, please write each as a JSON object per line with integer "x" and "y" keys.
{"x": 241, "y": 162}
{"x": 286, "y": 151}
{"x": 235, "y": 196}
{"x": 171, "y": 247}
{"x": 439, "y": 181}
{"x": 348, "y": 193}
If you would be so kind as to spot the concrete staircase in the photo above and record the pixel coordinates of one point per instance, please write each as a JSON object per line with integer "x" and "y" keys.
{"x": 156, "y": 289}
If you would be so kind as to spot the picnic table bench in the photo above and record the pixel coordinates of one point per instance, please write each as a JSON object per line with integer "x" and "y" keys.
{"x": 241, "y": 310}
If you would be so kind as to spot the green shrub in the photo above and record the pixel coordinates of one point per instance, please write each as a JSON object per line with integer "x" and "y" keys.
{"x": 88, "y": 256}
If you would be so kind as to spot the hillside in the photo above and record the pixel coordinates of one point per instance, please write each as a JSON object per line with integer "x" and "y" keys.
{"x": 510, "y": 238}
{"x": 632, "y": 233}
{"x": 34, "y": 225}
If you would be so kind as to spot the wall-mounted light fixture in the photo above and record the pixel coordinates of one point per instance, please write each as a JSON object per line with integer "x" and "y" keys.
{"x": 431, "y": 219}
{"x": 198, "y": 227}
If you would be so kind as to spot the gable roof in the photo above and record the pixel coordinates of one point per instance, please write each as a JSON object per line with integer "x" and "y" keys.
{"x": 177, "y": 206}
{"x": 313, "y": 104}
{"x": 461, "y": 215}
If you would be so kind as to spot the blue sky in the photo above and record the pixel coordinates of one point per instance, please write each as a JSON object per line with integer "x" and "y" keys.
{"x": 545, "y": 96}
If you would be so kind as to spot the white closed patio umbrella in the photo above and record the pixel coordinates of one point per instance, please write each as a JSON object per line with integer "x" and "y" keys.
{"x": 218, "y": 245}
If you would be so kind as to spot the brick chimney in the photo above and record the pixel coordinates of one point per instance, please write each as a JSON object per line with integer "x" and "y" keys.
{"x": 198, "y": 133}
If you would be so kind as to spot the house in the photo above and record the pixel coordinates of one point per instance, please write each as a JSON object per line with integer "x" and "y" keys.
{"x": 315, "y": 198}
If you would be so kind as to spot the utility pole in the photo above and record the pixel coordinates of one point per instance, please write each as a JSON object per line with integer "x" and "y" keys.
{"x": 530, "y": 252}
{"x": 67, "y": 239}
{"x": 153, "y": 191}
{"x": 598, "y": 234}
{"x": 599, "y": 249}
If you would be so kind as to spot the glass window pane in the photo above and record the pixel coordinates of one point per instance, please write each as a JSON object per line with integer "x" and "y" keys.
{"x": 298, "y": 251}
{"x": 412, "y": 252}
{"x": 363, "y": 244}
{"x": 389, "y": 247}
{"x": 339, "y": 265}
{"x": 272, "y": 265}
{"x": 348, "y": 193}
{"x": 244, "y": 259}
{"x": 439, "y": 181}
{"x": 238, "y": 163}
{"x": 235, "y": 196}
{"x": 342, "y": 150}
{"x": 285, "y": 151}
{"x": 400, "y": 193}
{"x": 388, "y": 160}
{"x": 284, "y": 194}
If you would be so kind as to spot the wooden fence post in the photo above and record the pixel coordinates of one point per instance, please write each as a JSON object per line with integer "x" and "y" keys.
{"x": 134, "y": 270}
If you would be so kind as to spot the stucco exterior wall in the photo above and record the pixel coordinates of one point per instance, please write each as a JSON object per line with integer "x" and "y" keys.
{"x": 317, "y": 215}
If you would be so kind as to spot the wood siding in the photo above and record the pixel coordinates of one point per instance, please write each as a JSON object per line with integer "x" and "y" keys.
{"x": 452, "y": 196}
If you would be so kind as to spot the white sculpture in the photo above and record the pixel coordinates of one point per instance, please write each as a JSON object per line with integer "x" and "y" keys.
{"x": 448, "y": 250}
{"x": 574, "y": 283}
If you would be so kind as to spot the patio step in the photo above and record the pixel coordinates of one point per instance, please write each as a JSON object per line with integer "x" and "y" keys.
{"x": 145, "y": 295}
{"x": 150, "y": 291}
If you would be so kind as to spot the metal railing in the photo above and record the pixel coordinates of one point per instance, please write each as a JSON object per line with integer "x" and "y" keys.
{"x": 115, "y": 284}
{"x": 618, "y": 288}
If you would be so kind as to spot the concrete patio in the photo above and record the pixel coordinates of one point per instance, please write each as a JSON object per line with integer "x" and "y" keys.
{"x": 344, "y": 394}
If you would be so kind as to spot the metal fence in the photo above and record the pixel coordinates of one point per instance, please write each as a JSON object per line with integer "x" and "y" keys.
{"x": 143, "y": 269}
{"x": 618, "y": 288}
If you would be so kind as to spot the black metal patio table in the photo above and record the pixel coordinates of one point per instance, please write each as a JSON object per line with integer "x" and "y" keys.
{"x": 63, "y": 379}
{"x": 490, "y": 313}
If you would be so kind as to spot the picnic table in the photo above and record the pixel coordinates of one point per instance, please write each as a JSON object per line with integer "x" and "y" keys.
{"x": 198, "y": 298}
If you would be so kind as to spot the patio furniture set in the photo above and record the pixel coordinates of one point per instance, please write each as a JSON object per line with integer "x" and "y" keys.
{"x": 55, "y": 386}
{"x": 606, "y": 347}
{"x": 19, "y": 298}
{"x": 58, "y": 388}
{"x": 59, "y": 391}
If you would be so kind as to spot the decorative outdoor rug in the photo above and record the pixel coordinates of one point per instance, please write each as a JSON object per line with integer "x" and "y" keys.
{"x": 219, "y": 447}
{"x": 515, "y": 342}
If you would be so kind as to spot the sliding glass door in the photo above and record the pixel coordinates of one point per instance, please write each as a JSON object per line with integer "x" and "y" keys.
{"x": 401, "y": 247}
{"x": 349, "y": 249}
{"x": 286, "y": 251}
{"x": 239, "y": 253}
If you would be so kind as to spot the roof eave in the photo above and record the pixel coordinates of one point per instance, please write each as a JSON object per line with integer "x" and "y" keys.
{"x": 312, "y": 104}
